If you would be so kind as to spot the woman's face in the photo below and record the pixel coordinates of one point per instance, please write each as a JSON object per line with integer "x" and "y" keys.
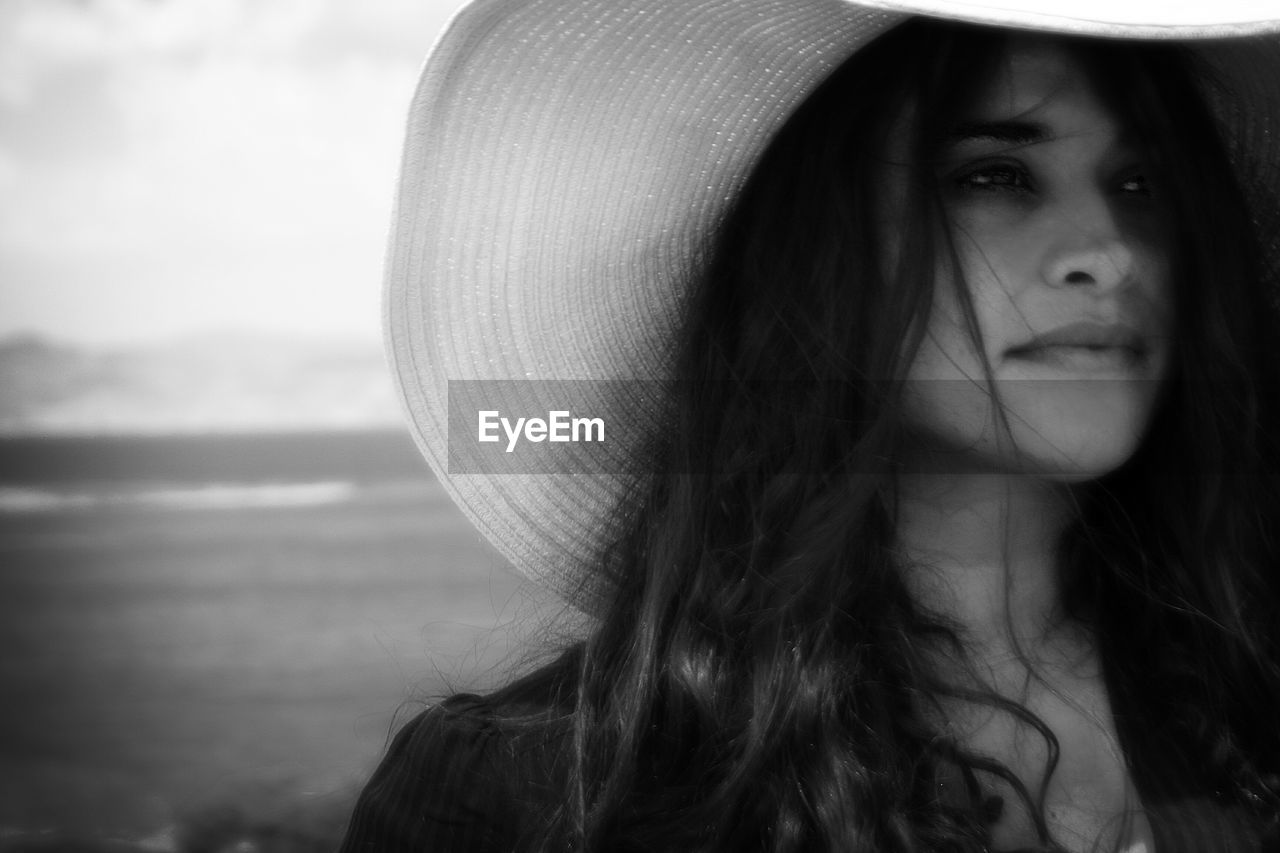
{"x": 1064, "y": 249}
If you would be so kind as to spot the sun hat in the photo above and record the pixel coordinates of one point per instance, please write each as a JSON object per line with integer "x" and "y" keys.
{"x": 564, "y": 160}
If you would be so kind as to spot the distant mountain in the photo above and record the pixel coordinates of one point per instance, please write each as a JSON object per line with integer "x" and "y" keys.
{"x": 206, "y": 384}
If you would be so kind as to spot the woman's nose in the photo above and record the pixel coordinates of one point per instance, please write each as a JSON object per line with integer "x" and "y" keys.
{"x": 1090, "y": 250}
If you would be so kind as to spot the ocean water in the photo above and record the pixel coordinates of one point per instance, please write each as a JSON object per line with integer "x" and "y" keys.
{"x": 198, "y": 623}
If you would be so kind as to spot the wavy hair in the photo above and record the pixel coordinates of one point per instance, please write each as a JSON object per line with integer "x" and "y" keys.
{"x": 760, "y": 679}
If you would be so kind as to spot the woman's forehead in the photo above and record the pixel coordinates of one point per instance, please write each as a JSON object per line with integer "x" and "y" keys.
{"x": 1040, "y": 90}
{"x": 1034, "y": 73}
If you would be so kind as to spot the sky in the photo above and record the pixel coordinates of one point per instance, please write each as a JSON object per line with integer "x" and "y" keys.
{"x": 179, "y": 167}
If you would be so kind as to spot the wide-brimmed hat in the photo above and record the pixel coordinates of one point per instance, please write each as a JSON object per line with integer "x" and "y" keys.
{"x": 565, "y": 160}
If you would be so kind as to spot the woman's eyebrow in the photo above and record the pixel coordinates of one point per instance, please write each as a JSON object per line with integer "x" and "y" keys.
{"x": 1008, "y": 132}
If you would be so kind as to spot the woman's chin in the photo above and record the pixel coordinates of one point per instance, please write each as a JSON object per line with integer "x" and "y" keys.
{"x": 1078, "y": 431}
{"x": 1064, "y": 432}
{"x": 1072, "y": 458}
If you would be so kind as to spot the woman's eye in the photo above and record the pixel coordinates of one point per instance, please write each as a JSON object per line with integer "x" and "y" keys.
{"x": 1001, "y": 177}
{"x": 1136, "y": 185}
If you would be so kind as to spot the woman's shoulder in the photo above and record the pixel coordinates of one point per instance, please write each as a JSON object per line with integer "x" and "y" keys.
{"x": 496, "y": 731}
{"x": 470, "y": 773}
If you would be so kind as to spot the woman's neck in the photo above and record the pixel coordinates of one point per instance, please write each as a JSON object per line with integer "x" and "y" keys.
{"x": 980, "y": 549}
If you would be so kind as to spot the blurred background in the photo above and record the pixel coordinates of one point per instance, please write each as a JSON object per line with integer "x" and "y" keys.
{"x": 225, "y": 573}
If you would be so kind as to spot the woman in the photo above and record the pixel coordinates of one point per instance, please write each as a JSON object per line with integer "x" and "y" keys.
{"x": 953, "y": 531}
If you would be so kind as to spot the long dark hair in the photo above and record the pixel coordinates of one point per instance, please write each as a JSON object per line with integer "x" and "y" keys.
{"x": 760, "y": 679}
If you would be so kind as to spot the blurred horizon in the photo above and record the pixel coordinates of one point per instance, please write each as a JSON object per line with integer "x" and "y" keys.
{"x": 203, "y": 383}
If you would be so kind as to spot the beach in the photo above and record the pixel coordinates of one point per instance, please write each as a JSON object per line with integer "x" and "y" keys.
{"x": 210, "y": 633}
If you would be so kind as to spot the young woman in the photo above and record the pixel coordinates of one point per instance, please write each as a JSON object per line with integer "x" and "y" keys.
{"x": 953, "y": 530}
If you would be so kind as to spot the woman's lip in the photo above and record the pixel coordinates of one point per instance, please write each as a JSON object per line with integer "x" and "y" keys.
{"x": 1088, "y": 336}
{"x": 1081, "y": 358}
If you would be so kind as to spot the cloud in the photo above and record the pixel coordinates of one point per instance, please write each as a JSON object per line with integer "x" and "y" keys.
{"x": 155, "y": 153}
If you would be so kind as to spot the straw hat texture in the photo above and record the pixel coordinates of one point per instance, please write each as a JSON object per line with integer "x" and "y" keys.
{"x": 564, "y": 160}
